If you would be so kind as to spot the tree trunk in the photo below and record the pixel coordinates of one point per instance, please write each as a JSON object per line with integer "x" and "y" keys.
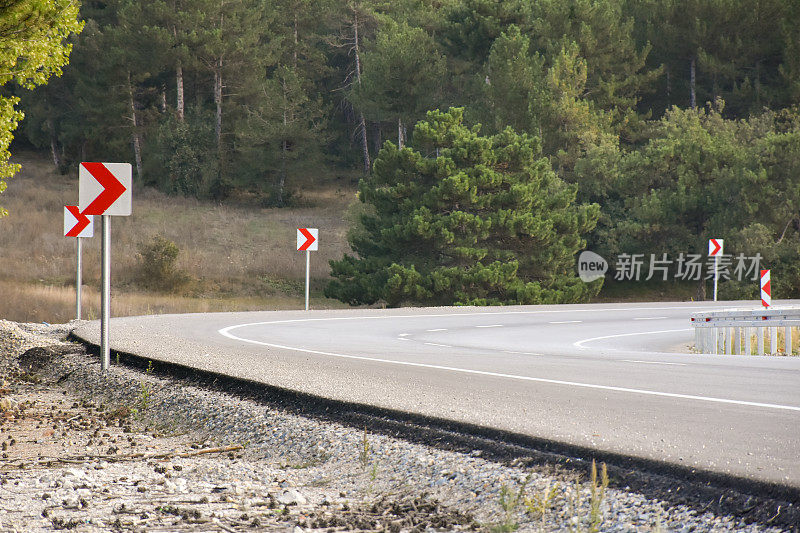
{"x": 376, "y": 136}
{"x": 361, "y": 122}
{"x": 179, "y": 105}
{"x": 284, "y": 147}
{"x": 53, "y": 144}
{"x": 757, "y": 83}
{"x": 669, "y": 88}
{"x": 294, "y": 51}
{"x": 218, "y": 102}
{"x": 163, "y": 102}
{"x": 400, "y": 133}
{"x": 701, "y": 290}
{"x": 282, "y": 176}
{"x": 692, "y": 86}
{"x": 137, "y": 145}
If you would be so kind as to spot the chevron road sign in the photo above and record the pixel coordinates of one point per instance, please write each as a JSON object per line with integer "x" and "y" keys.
{"x": 105, "y": 189}
{"x": 715, "y": 251}
{"x": 307, "y": 239}
{"x": 76, "y": 224}
{"x": 715, "y": 247}
{"x": 766, "y": 289}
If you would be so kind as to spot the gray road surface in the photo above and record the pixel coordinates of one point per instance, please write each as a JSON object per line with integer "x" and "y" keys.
{"x": 605, "y": 376}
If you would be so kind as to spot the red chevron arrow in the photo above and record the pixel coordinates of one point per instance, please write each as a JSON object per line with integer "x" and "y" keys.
{"x": 113, "y": 189}
{"x": 717, "y": 247}
{"x": 309, "y": 239}
{"x": 82, "y": 219}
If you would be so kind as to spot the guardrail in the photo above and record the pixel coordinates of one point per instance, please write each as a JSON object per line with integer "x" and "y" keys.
{"x": 723, "y": 331}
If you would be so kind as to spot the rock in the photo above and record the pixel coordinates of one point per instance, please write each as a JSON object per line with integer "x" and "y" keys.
{"x": 181, "y": 484}
{"x": 71, "y": 502}
{"x": 74, "y": 472}
{"x": 292, "y": 496}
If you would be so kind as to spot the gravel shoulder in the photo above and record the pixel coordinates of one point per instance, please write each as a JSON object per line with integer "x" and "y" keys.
{"x": 129, "y": 450}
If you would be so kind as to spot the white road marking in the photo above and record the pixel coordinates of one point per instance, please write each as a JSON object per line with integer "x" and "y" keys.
{"x": 435, "y": 344}
{"x": 437, "y": 329}
{"x": 650, "y": 318}
{"x": 403, "y": 339}
{"x": 498, "y": 313}
{"x": 652, "y": 362}
{"x": 566, "y": 322}
{"x": 491, "y": 326}
{"x": 521, "y": 353}
{"x": 404, "y": 334}
{"x": 227, "y": 333}
{"x": 580, "y": 344}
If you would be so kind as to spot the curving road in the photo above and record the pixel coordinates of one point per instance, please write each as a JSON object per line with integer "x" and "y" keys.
{"x": 613, "y": 377}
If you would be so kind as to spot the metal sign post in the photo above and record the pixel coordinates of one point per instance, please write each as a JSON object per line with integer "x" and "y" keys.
{"x": 105, "y": 189}
{"x": 308, "y": 240}
{"x": 78, "y": 281}
{"x": 308, "y": 275}
{"x": 105, "y": 294}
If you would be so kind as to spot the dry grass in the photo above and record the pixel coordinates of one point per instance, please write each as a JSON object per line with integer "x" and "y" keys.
{"x": 49, "y": 303}
{"x": 781, "y": 347}
{"x": 238, "y": 257}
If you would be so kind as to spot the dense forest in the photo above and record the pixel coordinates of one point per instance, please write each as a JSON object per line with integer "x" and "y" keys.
{"x": 678, "y": 118}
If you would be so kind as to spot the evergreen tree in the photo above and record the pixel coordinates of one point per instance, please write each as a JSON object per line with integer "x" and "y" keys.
{"x": 616, "y": 72}
{"x": 546, "y": 101}
{"x": 699, "y": 176}
{"x": 464, "y": 219}
{"x": 402, "y": 76}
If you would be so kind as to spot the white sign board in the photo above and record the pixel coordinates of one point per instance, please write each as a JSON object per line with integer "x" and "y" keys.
{"x": 715, "y": 247}
{"x": 105, "y": 188}
{"x": 77, "y": 224}
{"x": 307, "y": 239}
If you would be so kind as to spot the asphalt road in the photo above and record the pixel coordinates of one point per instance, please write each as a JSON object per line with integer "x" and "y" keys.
{"x": 606, "y": 376}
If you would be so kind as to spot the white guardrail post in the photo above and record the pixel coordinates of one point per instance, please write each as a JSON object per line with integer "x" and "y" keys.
{"x": 721, "y": 331}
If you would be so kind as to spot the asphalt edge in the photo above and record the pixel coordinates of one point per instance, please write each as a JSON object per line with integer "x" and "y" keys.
{"x": 769, "y": 504}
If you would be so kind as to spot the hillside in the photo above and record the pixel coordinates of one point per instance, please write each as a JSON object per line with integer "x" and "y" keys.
{"x": 231, "y": 257}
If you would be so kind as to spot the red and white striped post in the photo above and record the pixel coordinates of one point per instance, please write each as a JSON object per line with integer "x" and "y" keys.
{"x": 766, "y": 289}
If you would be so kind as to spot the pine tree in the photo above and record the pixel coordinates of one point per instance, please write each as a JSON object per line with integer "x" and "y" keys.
{"x": 486, "y": 221}
{"x": 402, "y": 77}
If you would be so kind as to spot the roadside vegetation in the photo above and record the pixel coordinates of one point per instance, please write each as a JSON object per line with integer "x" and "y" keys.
{"x": 643, "y": 128}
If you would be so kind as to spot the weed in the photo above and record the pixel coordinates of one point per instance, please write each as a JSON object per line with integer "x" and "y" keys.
{"x": 510, "y": 502}
{"x": 276, "y": 285}
{"x": 598, "y": 494}
{"x": 538, "y": 504}
{"x": 364, "y": 452}
{"x": 143, "y": 398}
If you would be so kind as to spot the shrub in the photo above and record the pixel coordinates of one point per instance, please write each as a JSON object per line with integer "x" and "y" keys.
{"x": 156, "y": 266}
